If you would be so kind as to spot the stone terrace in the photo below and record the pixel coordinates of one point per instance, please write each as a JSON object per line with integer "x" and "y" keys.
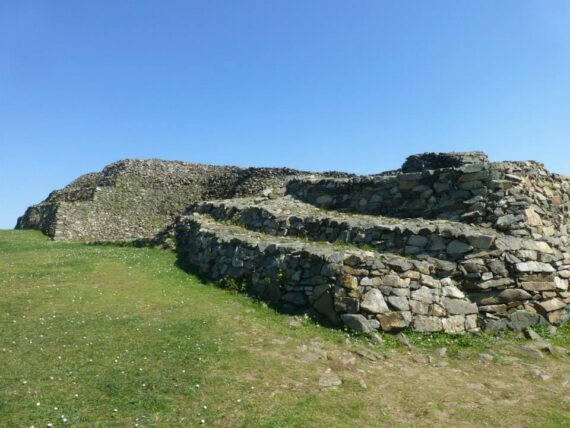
{"x": 450, "y": 242}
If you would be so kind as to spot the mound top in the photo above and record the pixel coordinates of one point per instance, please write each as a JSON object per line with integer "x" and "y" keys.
{"x": 425, "y": 161}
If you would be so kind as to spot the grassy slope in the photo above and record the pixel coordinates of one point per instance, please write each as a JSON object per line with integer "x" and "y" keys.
{"x": 111, "y": 336}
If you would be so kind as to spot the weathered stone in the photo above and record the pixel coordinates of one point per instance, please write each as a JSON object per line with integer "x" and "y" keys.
{"x": 357, "y": 323}
{"x": 373, "y": 302}
{"x": 436, "y": 244}
{"x": 371, "y": 282}
{"x": 495, "y": 324}
{"x": 494, "y": 309}
{"x": 427, "y": 324}
{"x": 349, "y": 281}
{"x": 527, "y": 255}
{"x": 561, "y": 284}
{"x": 538, "y": 286}
{"x": 423, "y": 294}
{"x": 520, "y": 320}
{"x": 481, "y": 242}
{"x": 532, "y": 218}
{"x": 534, "y": 267}
{"x": 453, "y": 291}
{"x": 417, "y": 241}
{"x": 506, "y": 221}
{"x": 551, "y": 305}
{"x": 459, "y": 307}
{"x": 497, "y": 267}
{"x": 430, "y": 281}
{"x": 493, "y": 284}
{"x": 539, "y": 246}
{"x": 471, "y": 323}
{"x": 529, "y": 351}
{"x": 453, "y": 324}
{"x": 325, "y": 305}
{"x": 399, "y": 303}
{"x": 419, "y": 308}
{"x": 513, "y": 295}
{"x": 346, "y": 304}
{"x": 456, "y": 247}
{"x": 399, "y": 264}
{"x": 392, "y": 321}
{"x": 508, "y": 243}
{"x": 395, "y": 281}
{"x": 295, "y": 298}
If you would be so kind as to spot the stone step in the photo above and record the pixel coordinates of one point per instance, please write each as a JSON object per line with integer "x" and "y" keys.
{"x": 289, "y": 217}
{"x": 379, "y": 290}
{"x": 364, "y": 289}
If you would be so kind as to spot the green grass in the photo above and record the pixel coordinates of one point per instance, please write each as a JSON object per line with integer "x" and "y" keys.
{"x": 119, "y": 336}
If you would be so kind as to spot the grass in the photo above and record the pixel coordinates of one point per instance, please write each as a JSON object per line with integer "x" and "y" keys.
{"x": 119, "y": 336}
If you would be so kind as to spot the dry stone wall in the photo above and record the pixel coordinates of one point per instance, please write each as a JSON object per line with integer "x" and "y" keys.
{"x": 450, "y": 242}
{"x": 366, "y": 290}
{"x": 518, "y": 198}
{"x": 501, "y": 276}
{"x": 135, "y": 199}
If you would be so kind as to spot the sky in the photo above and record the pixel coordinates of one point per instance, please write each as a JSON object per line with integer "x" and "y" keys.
{"x": 310, "y": 84}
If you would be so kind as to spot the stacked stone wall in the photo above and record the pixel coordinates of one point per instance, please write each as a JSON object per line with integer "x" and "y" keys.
{"x": 518, "y": 198}
{"x": 450, "y": 242}
{"x": 372, "y": 291}
{"x": 135, "y": 199}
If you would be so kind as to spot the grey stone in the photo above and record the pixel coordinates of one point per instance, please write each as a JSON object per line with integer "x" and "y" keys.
{"x": 459, "y": 307}
{"x": 513, "y": 295}
{"x": 395, "y": 281}
{"x": 436, "y": 244}
{"x": 551, "y": 305}
{"x": 493, "y": 284}
{"x": 417, "y": 241}
{"x": 481, "y": 242}
{"x": 373, "y": 302}
{"x": 453, "y": 324}
{"x": 399, "y": 303}
{"x": 357, "y": 323}
{"x": 497, "y": 267}
{"x": 520, "y": 320}
{"x": 423, "y": 295}
{"x": 456, "y": 247}
{"x": 452, "y": 291}
{"x": 536, "y": 267}
{"x": 419, "y": 308}
{"x": 427, "y": 324}
{"x": 506, "y": 221}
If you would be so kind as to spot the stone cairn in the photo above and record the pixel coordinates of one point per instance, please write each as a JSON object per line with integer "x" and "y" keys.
{"x": 450, "y": 242}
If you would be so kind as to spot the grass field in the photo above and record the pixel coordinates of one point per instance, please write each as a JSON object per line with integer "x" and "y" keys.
{"x": 115, "y": 336}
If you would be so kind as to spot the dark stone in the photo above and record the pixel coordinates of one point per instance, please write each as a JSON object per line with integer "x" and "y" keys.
{"x": 426, "y": 161}
{"x": 520, "y": 320}
{"x": 357, "y": 323}
{"x": 325, "y": 305}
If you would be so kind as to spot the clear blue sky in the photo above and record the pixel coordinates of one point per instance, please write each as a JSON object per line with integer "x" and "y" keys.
{"x": 312, "y": 84}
